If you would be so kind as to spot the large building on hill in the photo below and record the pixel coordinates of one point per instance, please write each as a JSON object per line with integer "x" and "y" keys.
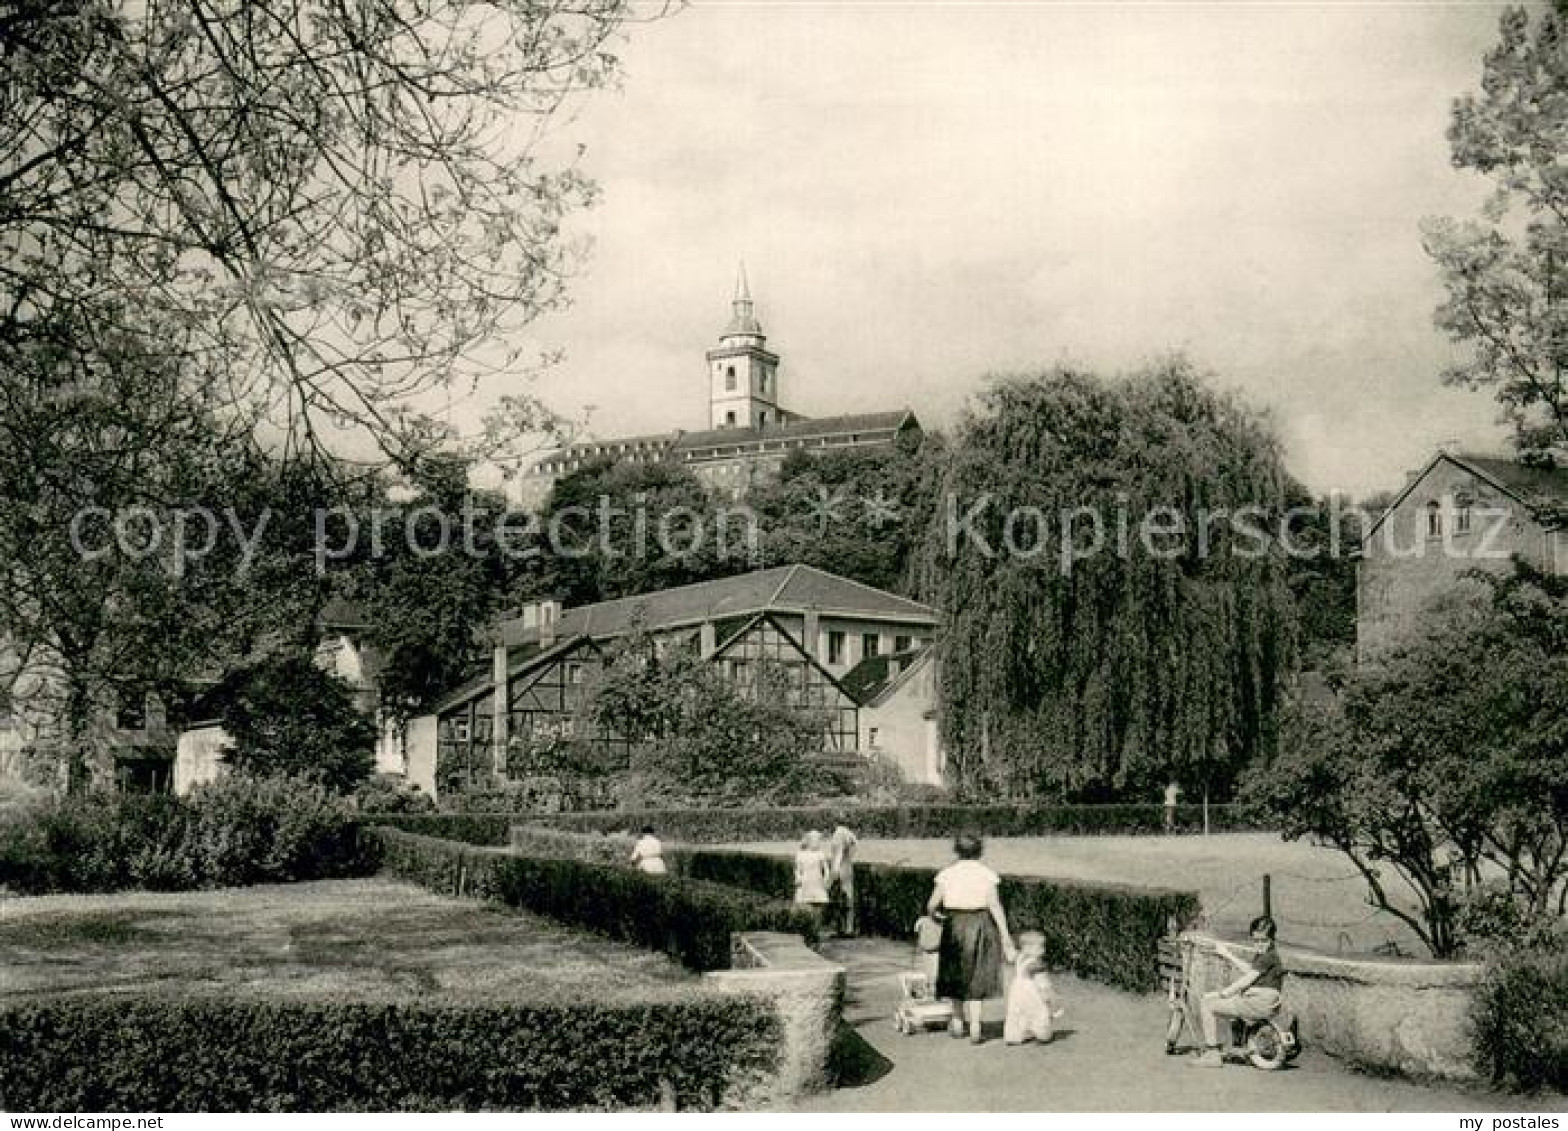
{"x": 1457, "y": 514}
{"x": 859, "y": 655}
{"x": 749, "y": 430}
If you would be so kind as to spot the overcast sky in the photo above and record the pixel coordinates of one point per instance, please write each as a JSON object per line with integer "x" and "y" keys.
{"x": 925, "y": 194}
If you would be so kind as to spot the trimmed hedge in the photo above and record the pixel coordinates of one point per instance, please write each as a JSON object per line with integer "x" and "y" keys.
{"x": 903, "y": 822}
{"x": 688, "y": 919}
{"x": 1521, "y": 1020}
{"x": 469, "y": 828}
{"x": 116, "y": 1053}
{"x": 1106, "y": 932}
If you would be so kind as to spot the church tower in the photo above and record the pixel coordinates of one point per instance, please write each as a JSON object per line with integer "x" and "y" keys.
{"x": 742, "y": 374}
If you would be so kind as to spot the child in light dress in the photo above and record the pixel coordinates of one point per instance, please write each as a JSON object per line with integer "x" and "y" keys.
{"x": 1031, "y": 999}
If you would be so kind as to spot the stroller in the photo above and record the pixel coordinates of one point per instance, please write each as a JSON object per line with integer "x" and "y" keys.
{"x": 919, "y": 1009}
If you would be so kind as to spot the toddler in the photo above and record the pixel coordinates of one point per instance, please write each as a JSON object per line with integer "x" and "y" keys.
{"x": 1031, "y": 999}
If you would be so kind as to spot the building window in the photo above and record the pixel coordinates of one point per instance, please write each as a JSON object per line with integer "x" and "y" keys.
{"x": 729, "y": 420}
{"x": 1434, "y": 519}
{"x": 870, "y": 645}
{"x": 762, "y": 419}
{"x": 1461, "y": 519}
{"x": 574, "y": 673}
{"x": 871, "y": 738}
{"x": 729, "y": 378}
{"x": 902, "y": 643}
{"x": 835, "y": 647}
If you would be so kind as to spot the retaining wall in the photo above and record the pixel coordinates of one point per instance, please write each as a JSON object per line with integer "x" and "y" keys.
{"x": 1407, "y": 1016}
{"x": 809, "y": 994}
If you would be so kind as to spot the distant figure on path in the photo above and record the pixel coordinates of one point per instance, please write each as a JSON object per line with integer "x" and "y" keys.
{"x": 648, "y": 853}
{"x": 841, "y": 876}
{"x": 974, "y": 936}
{"x": 1172, "y": 792}
{"x": 811, "y": 873}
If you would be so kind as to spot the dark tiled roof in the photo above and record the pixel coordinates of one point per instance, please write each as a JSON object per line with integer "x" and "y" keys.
{"x": 793, "y": 588}
{"x": 827, "y": 426}
{"x": 869, "y": 678}
{"x": 1537, "y": 486}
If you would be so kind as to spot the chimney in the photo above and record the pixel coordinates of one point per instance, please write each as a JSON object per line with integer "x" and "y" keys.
{"x": 501, "y": 707}
{"x": 895, "y": 664}
{"x": 1449, "y": 447}
{"x": 543, "y": 615}
{"x": 812, "y": 630}
{"x": 710, "y": 639}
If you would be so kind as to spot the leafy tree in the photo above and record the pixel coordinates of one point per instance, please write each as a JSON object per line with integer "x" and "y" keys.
{"x": 1447, "y": 762}
{"x": 438, "y": 576}
{"x": 288, "y": 718}
{"x": 1085, "y": 653}
{"x": 1506, "y": 274}
{"x": 143, "y": 543}
{"x": 327, "y": 209}
{"x": 704, "y": 740}
{"x": 1324, "y": 536}
{"x": 859, "y": 514}
{"x": 617, "y": 529}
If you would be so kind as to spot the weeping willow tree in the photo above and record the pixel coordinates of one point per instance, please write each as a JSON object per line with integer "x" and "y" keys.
{"x": 1115, "y": 602}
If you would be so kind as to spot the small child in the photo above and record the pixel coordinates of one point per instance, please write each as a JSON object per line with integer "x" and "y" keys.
{"x": 1031, "y": 999}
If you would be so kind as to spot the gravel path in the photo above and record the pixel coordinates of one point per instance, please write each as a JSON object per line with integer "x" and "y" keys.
{"x": 1108, "y": 1056}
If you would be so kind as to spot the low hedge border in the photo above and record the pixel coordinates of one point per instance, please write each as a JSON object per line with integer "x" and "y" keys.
{"x": 903, "y": 822}
{"x": 1106, "y": 932}
{"x": 688, "y": 919}
{"x": 697, "y": 1049}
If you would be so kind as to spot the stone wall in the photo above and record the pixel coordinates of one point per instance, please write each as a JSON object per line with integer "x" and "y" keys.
{"x": 1384, "y": 1014}
{"x": 809, "y": 992}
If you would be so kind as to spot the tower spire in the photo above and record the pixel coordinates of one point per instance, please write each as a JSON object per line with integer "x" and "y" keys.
{"x": 742, "y": 320}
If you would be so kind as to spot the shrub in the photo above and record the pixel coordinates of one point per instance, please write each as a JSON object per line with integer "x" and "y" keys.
{"x": 156, "y": 1054}
{"x": 94, "y": 842}
{"x": 1521, "y": 1019}
{"x": 1101, "y": 931}
{"x": 689, "y": 920}
{"x": 237, "y": 830}
{"x": 387, "y": 793}
{"x": 247, "y": 830}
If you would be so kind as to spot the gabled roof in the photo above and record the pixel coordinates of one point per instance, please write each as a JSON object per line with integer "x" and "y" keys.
{"x": 786, "y": 589}
{"x": 873, "y": 679}
{"x": 821, "y": 427}
{"x": 518, "y": 661}
{"x": 1541, "y": 490}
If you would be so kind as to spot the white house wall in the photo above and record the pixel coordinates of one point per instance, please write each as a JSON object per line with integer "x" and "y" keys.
{"x": 198, "y": 757}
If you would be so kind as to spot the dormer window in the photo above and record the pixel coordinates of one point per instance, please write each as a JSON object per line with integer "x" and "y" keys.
{"x": 1434, "y": 519}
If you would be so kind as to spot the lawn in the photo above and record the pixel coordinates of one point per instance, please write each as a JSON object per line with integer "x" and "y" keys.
{"x": 365, "y": 939}
{"x": 1318, "y": 898}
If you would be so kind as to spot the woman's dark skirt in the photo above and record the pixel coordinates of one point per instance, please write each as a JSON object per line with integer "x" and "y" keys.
{"x": 969, "y": 963}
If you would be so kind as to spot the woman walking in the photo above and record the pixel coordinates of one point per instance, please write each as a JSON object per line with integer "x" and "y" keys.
{"x": 975, "y": 940}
